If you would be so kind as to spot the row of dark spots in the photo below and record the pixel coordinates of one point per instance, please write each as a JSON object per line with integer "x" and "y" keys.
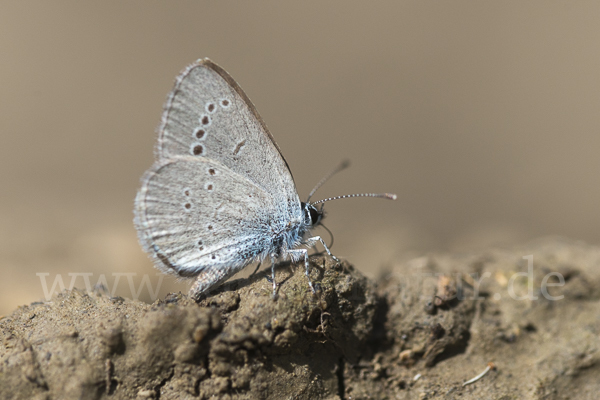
{"x": 210, "y": 187}
{"x": 201, "y": 247}
{"x": 200, "y": 132}
{"x": 201, "y": 243}
{"x": 211, "y": 107}
{"x": 187, "y": 206}
{"x": 210, "y": 228}
{"x": 198, "y": 149}
{"x": 205, "y": 120}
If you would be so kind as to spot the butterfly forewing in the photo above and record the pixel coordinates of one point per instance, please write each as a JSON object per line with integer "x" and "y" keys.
{"x": 208, "y": 115}
{"x": 195, "y": 214}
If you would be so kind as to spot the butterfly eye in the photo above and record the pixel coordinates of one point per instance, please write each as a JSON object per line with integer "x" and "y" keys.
{"x": 315, "y": 215}
{"x": 312, "y": 216}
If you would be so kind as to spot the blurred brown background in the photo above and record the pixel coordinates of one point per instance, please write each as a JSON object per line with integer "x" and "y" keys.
{"x": 482, "y": 116}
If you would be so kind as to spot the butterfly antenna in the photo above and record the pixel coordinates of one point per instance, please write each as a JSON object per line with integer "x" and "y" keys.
{"x": 343, "y": 165}
{"x": 389, "y": 196}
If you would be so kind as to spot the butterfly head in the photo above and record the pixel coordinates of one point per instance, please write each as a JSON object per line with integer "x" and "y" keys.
{"x": 312, "y": 215}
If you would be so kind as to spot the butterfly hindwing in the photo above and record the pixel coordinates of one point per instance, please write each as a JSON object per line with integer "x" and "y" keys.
{"x": 195, "y": 214}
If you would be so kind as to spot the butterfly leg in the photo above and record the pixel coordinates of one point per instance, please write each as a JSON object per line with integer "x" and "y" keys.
{"x": 273, "y": 259}
{"x": 298, "y": 254}
{"x": 311, "y": 242}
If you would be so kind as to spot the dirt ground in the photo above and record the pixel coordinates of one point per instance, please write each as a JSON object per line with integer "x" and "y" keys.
{"x": 528, "y": 315}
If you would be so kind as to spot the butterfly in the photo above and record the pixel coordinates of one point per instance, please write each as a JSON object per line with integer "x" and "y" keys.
{"x": 220, "y": 195}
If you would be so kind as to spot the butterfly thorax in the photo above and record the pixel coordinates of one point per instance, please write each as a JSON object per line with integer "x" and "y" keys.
{"x": 287, "y": 235}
